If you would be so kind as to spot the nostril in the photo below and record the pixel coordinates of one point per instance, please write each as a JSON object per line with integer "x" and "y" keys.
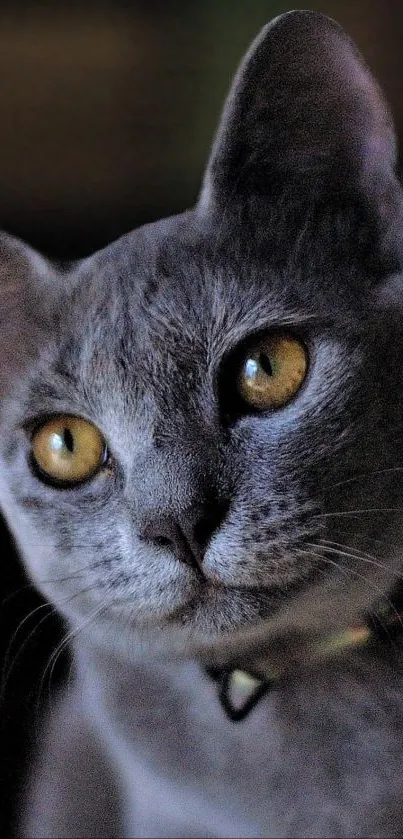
{"x": 203, "y": 531}
{"x": 205, "y": 527}
{"x": 163, "y": 542}
{"x": 164, "y": 532}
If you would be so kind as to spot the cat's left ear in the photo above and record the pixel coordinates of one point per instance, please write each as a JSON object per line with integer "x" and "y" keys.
{"x": 304, "y": 120}
{"x": 27, "y": 296}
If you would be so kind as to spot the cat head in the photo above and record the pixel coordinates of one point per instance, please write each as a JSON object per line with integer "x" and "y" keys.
{"x": 200, "y": 425}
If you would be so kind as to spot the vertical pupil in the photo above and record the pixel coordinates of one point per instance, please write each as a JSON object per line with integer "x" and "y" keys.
{"x": 68, "y": 440}
{"x": 264, "y": 362}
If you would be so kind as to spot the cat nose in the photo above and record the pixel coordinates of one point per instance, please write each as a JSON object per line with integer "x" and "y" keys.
{"x": 188, "y": 535}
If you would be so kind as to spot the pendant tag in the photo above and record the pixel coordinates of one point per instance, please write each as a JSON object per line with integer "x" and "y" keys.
{"x": 239, "y": 691}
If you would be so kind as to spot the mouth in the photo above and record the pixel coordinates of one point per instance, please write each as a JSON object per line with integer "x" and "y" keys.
{"x": 216, "y": 609}
{"x": 227, "y": 607}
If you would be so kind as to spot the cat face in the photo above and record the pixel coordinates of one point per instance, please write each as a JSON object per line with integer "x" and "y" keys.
{"x": 229, "y": 380}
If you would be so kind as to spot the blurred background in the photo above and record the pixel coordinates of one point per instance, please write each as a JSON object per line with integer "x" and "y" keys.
{"x": 107, "y": 111}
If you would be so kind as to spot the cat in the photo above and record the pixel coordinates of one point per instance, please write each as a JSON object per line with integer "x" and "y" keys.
{"x": 201, "y": 465}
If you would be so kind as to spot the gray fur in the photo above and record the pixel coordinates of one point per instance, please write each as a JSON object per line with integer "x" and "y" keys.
{"x": 295, "y": 515}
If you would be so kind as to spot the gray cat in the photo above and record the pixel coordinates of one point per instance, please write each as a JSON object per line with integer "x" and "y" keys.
{"x": 201, "y": 458}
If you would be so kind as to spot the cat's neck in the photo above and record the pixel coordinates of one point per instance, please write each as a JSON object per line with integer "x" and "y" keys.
{"x": 270, "y": 659}
{"x": 247, "y": 678}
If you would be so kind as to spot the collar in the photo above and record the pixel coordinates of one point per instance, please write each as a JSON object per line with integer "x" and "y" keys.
{"x": 240, "y": 690}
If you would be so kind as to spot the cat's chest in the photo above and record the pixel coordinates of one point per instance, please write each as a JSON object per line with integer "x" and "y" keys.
{"x": 172, "y": 716}
{"x": 314, "y": 747}
{"x": 184, "y": 762}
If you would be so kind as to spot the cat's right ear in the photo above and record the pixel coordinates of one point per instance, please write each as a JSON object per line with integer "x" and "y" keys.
{"x": 305, "y": 121}
{"x": 27, "y": 283}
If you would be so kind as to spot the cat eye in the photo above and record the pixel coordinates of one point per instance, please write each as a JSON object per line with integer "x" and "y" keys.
{"x": 272, "y": 370}
{"x": 68, "y": 450}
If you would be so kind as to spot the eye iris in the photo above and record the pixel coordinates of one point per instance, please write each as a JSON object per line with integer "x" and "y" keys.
{"x": 68, "y": 449}
{"x": 272, "y": 372}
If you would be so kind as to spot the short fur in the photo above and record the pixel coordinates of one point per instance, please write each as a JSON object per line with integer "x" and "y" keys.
{"x": 294, "y": 515}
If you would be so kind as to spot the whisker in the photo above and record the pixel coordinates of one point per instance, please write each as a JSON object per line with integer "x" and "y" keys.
{"x": 346, "y": 572}
{"x": 353, "y": 572}
{"x": 364, "y": 476}
{"x": 50, "y": 666}
{"x": 15, "y": 593}
{"x": 378, "y": 540}
{"x": 7, "y": 670}
{"x": 363, "y": 511}
{"x": 371, "y": 560}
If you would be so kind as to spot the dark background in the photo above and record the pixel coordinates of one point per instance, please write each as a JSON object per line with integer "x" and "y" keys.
{"x": 107, "y": 110}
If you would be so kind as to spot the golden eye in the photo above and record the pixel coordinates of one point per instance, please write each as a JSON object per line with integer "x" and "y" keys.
{"x": 272, "y": 372}
{"x": 68, "y": 449}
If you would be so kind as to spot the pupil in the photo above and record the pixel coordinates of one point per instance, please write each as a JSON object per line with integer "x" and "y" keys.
{"x": 68, "y": 440}
{"x": 264, "y": 362}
